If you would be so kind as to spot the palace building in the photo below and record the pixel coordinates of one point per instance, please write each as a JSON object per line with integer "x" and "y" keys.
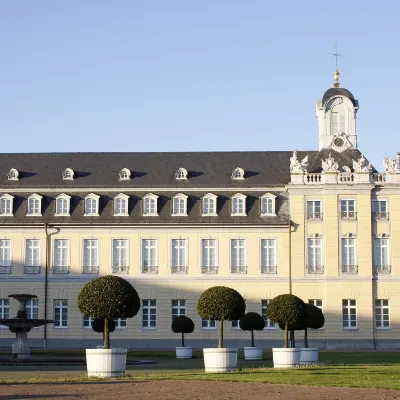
{"x": 323, "y": 224}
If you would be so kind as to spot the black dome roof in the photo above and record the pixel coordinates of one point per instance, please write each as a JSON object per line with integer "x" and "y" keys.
{"x": 332, "y": 92}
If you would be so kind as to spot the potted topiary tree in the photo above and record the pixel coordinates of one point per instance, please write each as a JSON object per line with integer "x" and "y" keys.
{"x": 220, "y": 303}
{"x": 98, "y": 326}
{"x": 252, "y": 322}
{"x": 108, "y": 297}
{"x": 286, "y": 309}
{"x": 314, "y": 320}
{"x": 183, "y": 324}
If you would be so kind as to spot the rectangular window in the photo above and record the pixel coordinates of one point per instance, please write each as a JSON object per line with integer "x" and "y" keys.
{"x": 60, "y": 313}
{"x": 120, "y": 256}
{"x": 208, "y": 324}
{"x": 348, "y": 209}
{"x": 381, "y": 256}
{"x": 62, "y": 206}
{"x": 61, "y": 256}
{"x": 150, "y": 206}
{"x": 86, "y": 322}
{"x": 91, "y": 206}
{"x": 34, "y": 206}
{"x": 179, "y": 256}
{"x": 149, "y": 256}
{"x": 316, "y": 303}
{"x": 238, "y": 256}
{"x": 382, "y": 314}
{"x": 238, "y": 205}
{"x": 209, "y": 261}
{"x": 5, "y": 256}
{"x": 178, "y": 308}
{"x": 314, "y": 209}
{"x": 349, "y": 313}
{"x": 235, "y": 324}
{"x": 149, "y": 314}
{"x": 268, "y": 256}
{"x": 209, "y": 206}
{"x": 314, "y": 255}
{"x": 267, "y": 205}
{"x": 90, "y": 256}
{"x": 5, "y": 206}
{"x": 4, "y": 309}
{"x": 32, "y": 256}
{"x": 380, "y": 209}
{"x": 120, "y": 206}
{"x": 349, "y": 263}
{"x": 32, "y": 309}
{"x": 268, "y": 323}
{"x": 179, "y": 206}
{"x": 120, "y": 323}
{"x": 338, "y": 122}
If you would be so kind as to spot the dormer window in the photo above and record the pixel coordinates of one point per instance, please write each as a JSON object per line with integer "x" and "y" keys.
{"x": 267, "y": 204}
{"x": 181, "y": 174}
{"x": 68, "y": 174}
{"x": 92, "y": 205}
{"x": 124, "y": 174}
{"x": 12, "y": 175}
{"x": 209, "y": 205}
{"x": 150, "y": 205}
{"x": 338, "y": 122}
{"x": 62, "y": 205}
{"x": 179, "y": 205}
{"x": 238, "y": 174}
{"x": 238, "y": 205}
{"x": 34, "y": 205}
{"x": 121, "y": 205}
{"x": 6, "y": 205}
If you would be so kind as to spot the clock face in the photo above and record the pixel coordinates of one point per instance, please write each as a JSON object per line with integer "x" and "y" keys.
{"x": 338, "y": 142}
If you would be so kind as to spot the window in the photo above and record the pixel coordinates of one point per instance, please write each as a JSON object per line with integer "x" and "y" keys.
{"x": 62, "y": 204}
{"x": 121, "y": 205}
{"x": 382, "y": 314}
{"x": 34, "y": 205}
{"x": 268, "y": 323}
{"x": 181, "y": 174}
{"x": 124, "y": 174}
{"x": 12, "y": 174}
{"x": 380, "y": 209}
{"x": 178, "y": 308}
{"x": 179, "y": 203}
{"x": 238, "y": 205}
{"x": 90, "y": 256}
{"x": 149, "y": 314}
{"x": 338, "y": 122}
{"x": 6, "y": 205}
{"x": 314, "y": 255}
{"x": 208, "y": 324}
{"x": 268, "y": 256}
{"x": 32, "y": 256}
{"x": 238, "y": 174}
{"x": 150, "y": 205}
{"x": 235, "y": 324}
{"x": 60, "y": 313}
{"x": 68, "y": 174}
{"x": 149, "y": 256}
{"x": 92, "y": 204}
{"x": 381, "y": 256}
{"x": 349, "y": 313}
{"x": 61, "y": 256}
{"x": 209, "y": 205}
{"x": 4, "y": 310}
{"x": 314, "y": 209}
{"x": 86, "y": 322}
{"x": 238, "y": 256}
{"x": 348, "y": 247}
{"x": 348, "y": 209}
{"x": 316, "y": 303}
{"x": 5, "y": 256}
{"x": 209, "y": 260}
{"x": 120, "y": 263}
{"x": 268, "y": 204}
{"x": 32, "y": 309}
{"x": 179, "y": 256}
{"x": 120, "y": 323}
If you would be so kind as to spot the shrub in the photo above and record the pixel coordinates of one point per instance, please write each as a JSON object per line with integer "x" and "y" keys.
{"x": 182, "y": 324}
{"x": 108, "y": 297}
{"x": 287, "y": 309}
{"x": 314, "y": 320}
{"x": 252, "y": 322}
{"x": 220, "y": 303}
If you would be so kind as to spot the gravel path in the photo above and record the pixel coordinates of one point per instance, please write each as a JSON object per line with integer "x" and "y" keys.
{"x": 185, "y": 390}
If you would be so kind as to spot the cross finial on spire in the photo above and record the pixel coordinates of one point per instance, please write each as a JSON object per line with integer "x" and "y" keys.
{"x": 336, "y": 74}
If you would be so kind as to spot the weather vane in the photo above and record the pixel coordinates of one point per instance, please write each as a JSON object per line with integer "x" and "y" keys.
{"x": 336, "y": 74}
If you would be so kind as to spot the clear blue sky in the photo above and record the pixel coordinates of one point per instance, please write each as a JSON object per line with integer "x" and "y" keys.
{"x": 186, "y": 75}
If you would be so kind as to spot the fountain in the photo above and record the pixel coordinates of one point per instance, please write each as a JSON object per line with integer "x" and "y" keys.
{"x": 21, "y": 325}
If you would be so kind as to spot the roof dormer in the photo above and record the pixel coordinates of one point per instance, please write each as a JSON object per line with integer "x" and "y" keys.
{"x": 68, "y": 174}
{"x": 238, "y": 174}
{"x": 181, "y": 174}
{"x": 12, "y": 175}
{"x": 124, "y": 174}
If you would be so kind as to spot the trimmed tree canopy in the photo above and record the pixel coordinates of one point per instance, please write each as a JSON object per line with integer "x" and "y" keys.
{"x": 182, "y": 324}
{"x": 221, "y": 303}
{"x": 287, "y": 309}
{"x": 98, "y": 325}
{"x": 315, "y": 318}
{"x": 109, "y": 297}
{"x": 252, "y": 321}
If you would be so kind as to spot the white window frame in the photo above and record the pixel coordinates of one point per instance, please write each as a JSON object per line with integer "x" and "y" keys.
{"x": 240, "y": 268}
{"x": 90, "y": 267}
{"x": 381, "y": 243}
{"x": 208, "y": 211}
{"x": 120, "y": 323}
{"x": 150, "y": 197}
{"x": 146, "y": 320}
{"x": 151, "y": 244}
{"x": 67, "y": 199}
{"x": 382, "y": 308}
{"x": 235, "y": 324}
{"x": 205, "y": 265}
{"x": 119, "y": 267}
{"x": 265, "y": 266}
{"x": 268, "y": 324}
{"x": 238, "y": 197}
{"x": 269, "y": 197}
{"x": 57, "y": 263}
{"x": 346, "y": 214}
{"x": 124, "y": 174}
{"x": 315, "y": 302}
{"x": 178, "y": 307}
{"x": 4, "y": 311}
{"x": 237, "y": 174}
{"x": 93, "y": 197}
{"x": 311, "y": 213}
{"x": 59, "y": 303}
{"x": 87, "y": 322}
{"x": 6, "y": 246}
{"x": 32, "y": 309}
{"x": 122, "y": 198}
{"x": 177, "y": 212}
{"x": 68, "y": 174}
{"x": 341, "y": 123}
{"x": 314, "y": 265}
{"x": 32, "y": 265}
{"x": 343, "y": 246}
{"x": 12, "y": 174}
{"x": 10, "y": 205}
{"x": 347, "y": 306}
{"x": 210, "y": 325}
{"x": 180, "y": 267}
{"x": 181, "y": 174}
{"x": 32, "y": 212}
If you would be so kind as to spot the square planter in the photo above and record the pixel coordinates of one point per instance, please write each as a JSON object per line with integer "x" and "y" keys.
{"x": 253, "y": 353}
{"x": 183, "y": 352}
{"x": 220, "y": 360}
{"x": 309, "y": 356}
{"x": 106, "y": 363}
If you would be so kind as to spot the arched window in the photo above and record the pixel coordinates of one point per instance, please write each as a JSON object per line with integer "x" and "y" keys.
{"x": 181, "y": 174}
{"x": 12, "y": 174}
{"x": 68, "y": 174}
{"x": 124, "y": 174}
{"x": 238, "y": 173}
{"x": 34, "y": 205}
{"x": 6, "y": 205}
{"x": 92, "y": 205}
{"x": 209, "y": 205}
{"x": 179, "y": 205}
{"x": 238, "y": 205}
{"x": 62, "y": 205}
{"x": 267, "y": 204}
{"x": 150, "y": 205}
{"x": 121, "y": 205}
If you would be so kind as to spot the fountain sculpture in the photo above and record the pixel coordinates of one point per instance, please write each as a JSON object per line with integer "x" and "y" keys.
{"x": 21, "y": 325}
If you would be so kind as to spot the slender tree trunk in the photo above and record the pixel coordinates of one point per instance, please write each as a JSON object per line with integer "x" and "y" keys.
{"x": 106, "y": 334}
{"x": 292, "y": 339}
{"x": 305, "y": 338}
{"x": 221, "y": 335}
{"x": 252, "y": 339}
{"x": 183, "y": 339}
{"x": 286, "y": 337}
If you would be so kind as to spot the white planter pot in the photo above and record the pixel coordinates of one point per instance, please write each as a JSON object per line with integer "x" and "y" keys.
{"x": 286, "y": 358}
{"x": 220, "y": 360}
{"x": 253, "y": 353}
{"x": 183, "y": 352}
{"x": 105, "y": 363}
{"x": 309, "y": 356}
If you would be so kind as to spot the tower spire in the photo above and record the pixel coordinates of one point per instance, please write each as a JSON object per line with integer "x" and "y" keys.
{"x": 336, "y": 74}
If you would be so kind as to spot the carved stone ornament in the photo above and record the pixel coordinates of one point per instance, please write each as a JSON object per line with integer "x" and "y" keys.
{"x": 349, "y": 235}
{"x": 362, "y": 165}
{"x": 330, "y": 165}
{"x": 340, "y": 142}
{"x": 298, "y": 166}
{"x": 392, "y": 165}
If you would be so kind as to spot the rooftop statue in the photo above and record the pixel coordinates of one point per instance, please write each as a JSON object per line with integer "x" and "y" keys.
{"x": 330, "y": 165}
{"x": 296, "y": 165}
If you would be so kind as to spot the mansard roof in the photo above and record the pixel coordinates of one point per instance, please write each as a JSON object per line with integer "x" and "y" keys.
{"x": 332, "y": 92}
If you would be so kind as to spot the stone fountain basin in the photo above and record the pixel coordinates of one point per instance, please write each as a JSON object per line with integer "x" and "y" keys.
{"x": 22, "y": 323}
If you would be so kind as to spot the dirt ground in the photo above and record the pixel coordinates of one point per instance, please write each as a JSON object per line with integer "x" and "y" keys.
{"x": 185, "y": 390}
